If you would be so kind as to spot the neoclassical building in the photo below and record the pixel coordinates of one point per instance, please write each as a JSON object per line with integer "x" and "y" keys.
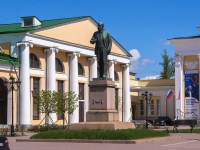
{"x": 187, "y": 60}
{"x": 55, "y": 55}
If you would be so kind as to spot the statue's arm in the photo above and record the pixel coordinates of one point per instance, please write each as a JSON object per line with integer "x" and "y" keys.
{"x": 93, "y": 39}
{"x": 109, "y": 43}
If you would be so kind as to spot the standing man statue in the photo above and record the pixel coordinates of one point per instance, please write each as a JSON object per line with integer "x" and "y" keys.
{"x": 102, "y": 48}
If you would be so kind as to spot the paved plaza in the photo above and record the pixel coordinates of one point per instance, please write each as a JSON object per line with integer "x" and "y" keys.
{"x": 181, "y": 141}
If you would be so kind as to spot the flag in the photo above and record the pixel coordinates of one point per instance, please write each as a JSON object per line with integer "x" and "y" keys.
{"x": 169, "y": 94}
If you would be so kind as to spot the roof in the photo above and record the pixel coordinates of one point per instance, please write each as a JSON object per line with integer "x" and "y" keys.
{"x": 188, "y": 37}
{"x": 16, "y": 27}
{"x": 8, "y": 60}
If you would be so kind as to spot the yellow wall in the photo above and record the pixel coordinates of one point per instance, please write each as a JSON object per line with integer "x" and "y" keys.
{"x": 159, "y": 82}
{"x": 6, "y": 47}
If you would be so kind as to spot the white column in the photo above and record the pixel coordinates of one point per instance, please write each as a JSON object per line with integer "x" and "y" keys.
{"x": 51, "y": 77}
{"x": 73, "y": 64}
{"x": 179, "y": 85}
{"x": 25, "y": 84}
{"x": 93, "y": 68}
{"x": 112, "y": 69}
{"x": 126, "y": 93}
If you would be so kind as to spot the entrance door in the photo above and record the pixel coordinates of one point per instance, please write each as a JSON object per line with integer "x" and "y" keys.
{"x": 133, "y": 111}
{"x": 81, "y": 111}
{"x": 3, "y": 103}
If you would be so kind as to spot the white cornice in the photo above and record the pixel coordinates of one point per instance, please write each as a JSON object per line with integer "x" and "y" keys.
{"x": 152, "y": 88}
{"x": 71, "y": 48}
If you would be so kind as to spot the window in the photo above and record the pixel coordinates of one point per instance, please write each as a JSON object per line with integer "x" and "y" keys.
{"x": 28, "y": 22}
{"x": 36, "y": 86}
{"x": 60, "y": 88}
{"x": 158, "y": 107}
{"x": 141, "y": 107}
{"x": 81, "y": 91}
{"x": 80, "y": 69}
{"x": 34, "y": 62}
{"x": 152, "y": 107}
{"x": 116, "y": 76}
{"x": 117, "y": 99}
{"x": 59, "y": 66}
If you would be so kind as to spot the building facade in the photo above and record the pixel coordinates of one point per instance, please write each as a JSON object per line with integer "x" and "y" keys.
{"x": 56, "y": 55}
{"x": 187, "y": 58}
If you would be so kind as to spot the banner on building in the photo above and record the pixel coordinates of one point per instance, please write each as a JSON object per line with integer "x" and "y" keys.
{"x": 192, "y": 93}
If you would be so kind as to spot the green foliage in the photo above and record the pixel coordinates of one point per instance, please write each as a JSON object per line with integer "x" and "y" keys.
{"x": 123, "y": 134}
{"x": 65, "y": 102}
{"x": 56, "y": 102}
{"x": 168, "y": 66}
{"x": 46, "y": 101}
{"x": 42, "y": 128}
{"x": 186, "y": 131}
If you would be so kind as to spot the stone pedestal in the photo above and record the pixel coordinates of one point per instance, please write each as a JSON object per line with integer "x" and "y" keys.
{"x": 102, "y": 101}
{"x": 102, "y": 113}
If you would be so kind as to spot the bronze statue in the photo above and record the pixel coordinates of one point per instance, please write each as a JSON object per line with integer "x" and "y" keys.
{"x": 102, "y": 48}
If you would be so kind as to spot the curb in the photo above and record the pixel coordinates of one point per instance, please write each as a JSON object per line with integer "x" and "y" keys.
{"x": 140, "y": 141}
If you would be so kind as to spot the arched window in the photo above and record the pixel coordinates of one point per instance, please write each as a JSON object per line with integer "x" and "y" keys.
{"x": 116, "y": 76}
{"x": 59, "y": 66}
{"x": 80, "y": 69}
{"x": 34, "y": 62}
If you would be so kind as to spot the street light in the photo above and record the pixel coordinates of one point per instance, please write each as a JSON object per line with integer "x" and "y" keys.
{"x": 146, "y": 97}
{"x": 14, "y": 86}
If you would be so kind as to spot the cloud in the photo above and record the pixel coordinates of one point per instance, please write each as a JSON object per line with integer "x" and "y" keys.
{"x": 135, "y": 55}
{"x": 150, "y": 77}
{"x": 164, "y": 42}
{"x": 134, "y": 60}
{"x": 147, "y": 61}
{"x": 167, "y": 43}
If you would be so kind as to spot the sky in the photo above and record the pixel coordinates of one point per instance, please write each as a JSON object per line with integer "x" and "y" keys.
{"x": 142, "y": 27}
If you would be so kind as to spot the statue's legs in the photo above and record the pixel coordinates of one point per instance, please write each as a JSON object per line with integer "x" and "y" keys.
{"x": 102, "y": 62}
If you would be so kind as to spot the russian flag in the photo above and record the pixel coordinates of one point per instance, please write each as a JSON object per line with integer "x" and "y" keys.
{"x": 169, "y": 94}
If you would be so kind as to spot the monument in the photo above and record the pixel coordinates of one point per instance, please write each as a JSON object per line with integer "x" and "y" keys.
{"x": 102, "y": 113}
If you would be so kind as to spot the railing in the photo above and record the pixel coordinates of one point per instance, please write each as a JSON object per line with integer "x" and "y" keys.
{"x": 187, "y": 115}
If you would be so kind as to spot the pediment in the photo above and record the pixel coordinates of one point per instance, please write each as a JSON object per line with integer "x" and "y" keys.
{"x": 77, "y": 32}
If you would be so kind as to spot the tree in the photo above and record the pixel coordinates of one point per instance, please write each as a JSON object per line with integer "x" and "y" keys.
{"x": 46, "y": 102}
{"x": 57, "y": 102}
{"x": 167, "y": 65}
{"x": 65, "y": 102}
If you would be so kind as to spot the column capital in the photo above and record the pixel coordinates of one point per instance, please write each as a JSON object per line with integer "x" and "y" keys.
{"x": 26, "y": 43}
{"x": 126, "y": 65}
{"x": 53, "y": 49}
{"x": 92, "y": 58}
{"x": 178, "y": 58}
{"x": 114, "y": 61}
{"x": 74, "y": 54}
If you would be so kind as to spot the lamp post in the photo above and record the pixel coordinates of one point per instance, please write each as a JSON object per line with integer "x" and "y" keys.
{"x": 146, "y": 96}
{"x": 14, "y": 86}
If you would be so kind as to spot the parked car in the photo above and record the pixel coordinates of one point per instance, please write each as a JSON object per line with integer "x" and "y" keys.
{"x": 162, "y": 120}
{"x": 4, "y": 144}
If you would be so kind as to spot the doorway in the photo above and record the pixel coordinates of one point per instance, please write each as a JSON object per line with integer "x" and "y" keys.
{"x": 3, "y": 103}
{"x": 81, "y": 111}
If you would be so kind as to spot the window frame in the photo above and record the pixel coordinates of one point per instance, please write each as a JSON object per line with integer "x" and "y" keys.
{"x": 33, "y": 59}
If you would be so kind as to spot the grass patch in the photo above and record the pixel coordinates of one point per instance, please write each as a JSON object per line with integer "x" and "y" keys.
{"x": 185, "y": 131}
{"x": 126, "y": 134}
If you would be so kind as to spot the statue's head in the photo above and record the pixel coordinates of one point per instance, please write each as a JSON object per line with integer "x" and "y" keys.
{"x": 100, "y": 26}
